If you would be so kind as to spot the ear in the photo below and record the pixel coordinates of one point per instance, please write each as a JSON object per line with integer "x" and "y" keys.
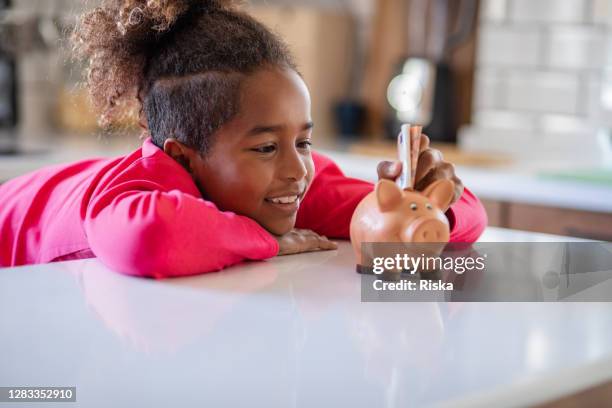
{"x": 440, "y": 193}
{"x": 181, "y": 153}
{"x": 388, "y": 195}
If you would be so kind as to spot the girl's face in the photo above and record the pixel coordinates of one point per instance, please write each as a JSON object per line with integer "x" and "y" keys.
{"x": 260, "y": 164}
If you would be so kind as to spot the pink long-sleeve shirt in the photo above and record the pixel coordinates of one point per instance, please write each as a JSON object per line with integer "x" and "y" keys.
{"x": 142, "y": 215}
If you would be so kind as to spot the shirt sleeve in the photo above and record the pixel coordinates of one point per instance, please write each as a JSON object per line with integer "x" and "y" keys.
{"x": 467, "y": 218}
{"x": 332, "y": 198}
{"x": 161, "y": 234}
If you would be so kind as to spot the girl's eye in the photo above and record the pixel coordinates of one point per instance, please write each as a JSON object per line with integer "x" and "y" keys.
{"x": 265, "y": 149}
{"x": 305, "y": 144}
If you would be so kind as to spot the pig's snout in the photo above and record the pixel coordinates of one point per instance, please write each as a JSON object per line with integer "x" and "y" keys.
{"x": 427, "y": 230}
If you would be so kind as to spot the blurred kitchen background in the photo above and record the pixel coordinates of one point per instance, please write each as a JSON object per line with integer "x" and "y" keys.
{"x": 516, "y": 93}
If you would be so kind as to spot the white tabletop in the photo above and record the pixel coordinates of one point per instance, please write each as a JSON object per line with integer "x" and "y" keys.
{"x": 290, "y": 331}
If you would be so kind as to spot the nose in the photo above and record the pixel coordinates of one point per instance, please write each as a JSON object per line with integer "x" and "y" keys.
{"x": 427, "y": 230}
{"x": 293, "y": 167}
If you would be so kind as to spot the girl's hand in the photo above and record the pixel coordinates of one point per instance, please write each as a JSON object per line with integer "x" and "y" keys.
{"x": 303, "y": 240}
{"x": 430, "y": 167}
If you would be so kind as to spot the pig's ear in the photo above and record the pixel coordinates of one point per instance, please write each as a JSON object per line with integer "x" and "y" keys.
{"x": 388, "y": 195}
{"x": 440, "y": 193}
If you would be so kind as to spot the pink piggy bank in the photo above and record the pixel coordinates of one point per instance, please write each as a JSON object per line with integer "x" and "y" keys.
{"x": 389, "y": 214}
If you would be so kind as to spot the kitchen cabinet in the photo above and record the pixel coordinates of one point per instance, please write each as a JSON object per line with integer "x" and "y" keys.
{"x": 547, "y": 219}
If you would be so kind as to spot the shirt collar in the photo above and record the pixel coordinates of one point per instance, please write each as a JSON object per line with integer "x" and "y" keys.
{"x": 149, "y": 148}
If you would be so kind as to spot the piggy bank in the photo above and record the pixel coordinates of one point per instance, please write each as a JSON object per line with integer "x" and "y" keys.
{"x": 392, "y": 215}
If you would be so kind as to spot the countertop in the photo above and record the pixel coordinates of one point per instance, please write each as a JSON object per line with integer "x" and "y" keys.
{"x": 503, "y": 184}
{"x": 513, "y": 184}
{"x": 290, "y": 331}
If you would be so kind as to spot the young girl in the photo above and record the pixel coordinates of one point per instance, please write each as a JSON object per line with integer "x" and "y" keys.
{"x": 226, "y": 173}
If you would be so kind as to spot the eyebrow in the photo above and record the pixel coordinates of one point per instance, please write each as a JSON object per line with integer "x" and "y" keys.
{"x": 275, "y": 128}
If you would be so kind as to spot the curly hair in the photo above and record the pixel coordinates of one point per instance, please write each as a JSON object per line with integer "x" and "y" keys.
{"x": 181, "y": 62}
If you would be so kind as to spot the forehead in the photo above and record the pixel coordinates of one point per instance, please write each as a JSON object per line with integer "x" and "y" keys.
{"x": 274, "y": 95}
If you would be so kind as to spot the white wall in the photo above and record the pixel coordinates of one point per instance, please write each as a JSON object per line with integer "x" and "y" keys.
{"x": 541, "y": 72}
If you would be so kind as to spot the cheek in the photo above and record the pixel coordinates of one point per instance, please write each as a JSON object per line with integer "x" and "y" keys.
{"x": 234, "y": 187}
{"x": 250, "y": 190}
{"x": 310, "y": 171}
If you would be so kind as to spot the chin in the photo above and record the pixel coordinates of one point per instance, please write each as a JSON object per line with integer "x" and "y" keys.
{"x": 279, "y": 228}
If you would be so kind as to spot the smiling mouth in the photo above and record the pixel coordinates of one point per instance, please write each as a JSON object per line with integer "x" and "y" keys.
{"x": 289, "y": 202}
{"x": 284, "y": 200}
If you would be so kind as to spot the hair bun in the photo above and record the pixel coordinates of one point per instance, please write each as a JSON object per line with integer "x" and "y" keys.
{"x": 158, "y": 15}
{"x": 133, "y": 24}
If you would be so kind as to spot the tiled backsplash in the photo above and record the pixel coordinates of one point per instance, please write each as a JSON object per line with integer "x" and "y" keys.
{"x": 540, "y": 77}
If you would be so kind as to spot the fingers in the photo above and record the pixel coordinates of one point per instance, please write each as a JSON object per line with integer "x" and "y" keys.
{"x": 442, "y": 170}
{"x": 458, "y": 188}
{"x": 430, "y": 168}
{"x": 319, "y": 242}
{"x": 428, "y": 160}
{"x": 303, "y": 240}
{"x": 327, "y": 245}
{"x": 424, "y": 143}
{"x": 389, "y": 170}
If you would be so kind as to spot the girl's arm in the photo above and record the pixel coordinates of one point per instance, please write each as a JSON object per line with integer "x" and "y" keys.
{"x": 329, "y": 205}
{"x": 169, "y": 234}
{"x": 467, "y": 218}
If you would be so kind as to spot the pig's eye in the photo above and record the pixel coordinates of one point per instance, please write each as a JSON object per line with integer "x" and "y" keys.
{"x": 428, "y": 206}
{"x": 413, "y": 206}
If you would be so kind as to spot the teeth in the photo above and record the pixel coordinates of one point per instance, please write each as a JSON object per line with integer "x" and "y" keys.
{"x": 284, "y": 200}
